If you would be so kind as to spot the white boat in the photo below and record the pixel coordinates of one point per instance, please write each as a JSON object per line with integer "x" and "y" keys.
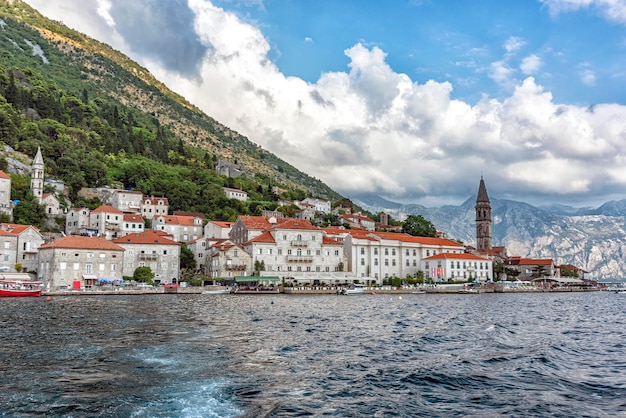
{"x": 356, "y": 289}
{"x": 217, "y": 291}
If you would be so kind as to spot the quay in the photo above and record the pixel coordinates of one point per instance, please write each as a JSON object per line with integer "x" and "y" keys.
{"x": 318, "y": 290}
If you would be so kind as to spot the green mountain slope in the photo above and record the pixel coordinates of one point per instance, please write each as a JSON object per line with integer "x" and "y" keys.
{"x": 99, "y": 118}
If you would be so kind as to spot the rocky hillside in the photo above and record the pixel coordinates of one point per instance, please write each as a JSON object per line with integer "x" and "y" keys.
{"x": 591, "y": 238}
{"x": 84, "y": 67}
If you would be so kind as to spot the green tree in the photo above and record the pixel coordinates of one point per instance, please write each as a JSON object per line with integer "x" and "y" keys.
{"x": 419, "y": 226}
{"x": 187, "y": 259}
{"x": 29, "y": 212}
{"x": 143, "y": 274}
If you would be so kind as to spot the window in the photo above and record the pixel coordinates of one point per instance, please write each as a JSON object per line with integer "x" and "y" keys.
{"x": 375, "y": 261}
{"x": 393, "y": 251}
{"x": 76, "y": 266}
{"x": 260, "y": 251}
{"x": 407, "y": 252}
{"x": 375, "y": 251}
{"x": 336, "y": 252}
{"x": 386, "y": 251}
{"x": 362, "y": 261}
{"x": 112, "y": 267}
{"x": 386, "y": 262}
{"x": 280, "y": 251}
{"x": 362, "y": 251}
{"x": 427, "y": 253}
{"x": 62, "y": 266}
{"x": 88, "y": 268}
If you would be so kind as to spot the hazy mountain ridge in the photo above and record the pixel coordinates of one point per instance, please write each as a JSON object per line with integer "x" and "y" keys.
{"x": 593, "y": 239}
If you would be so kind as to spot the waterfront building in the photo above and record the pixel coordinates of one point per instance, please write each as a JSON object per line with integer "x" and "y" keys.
{"x": 154, "y": 249}
{"x": 228, "y": 260}
{"x": 530, "y": 268}
{"x": 483, "y": 219}
{"x": 77, "y": 261}
{"x": 458, "y": 267}
{"x": 375, "y": 256}
{"x": 27, "y": 243}
{"x": 296, "y": 250}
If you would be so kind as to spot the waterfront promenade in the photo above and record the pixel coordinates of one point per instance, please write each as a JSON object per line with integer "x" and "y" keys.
{"x": 320, "y": 290}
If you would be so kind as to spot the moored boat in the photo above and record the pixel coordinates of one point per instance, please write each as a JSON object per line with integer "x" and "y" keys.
{"x": 17, "y": 288}
{"x": 353, "y": 290}
{"x": 217, "y": 291}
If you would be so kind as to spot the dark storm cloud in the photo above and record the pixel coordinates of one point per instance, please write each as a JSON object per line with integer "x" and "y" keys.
{"x": 162, "y": 31}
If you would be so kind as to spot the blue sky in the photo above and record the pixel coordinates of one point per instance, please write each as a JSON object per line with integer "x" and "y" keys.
{"x": 580, "y": 55}
{"x": 409, "y": 100}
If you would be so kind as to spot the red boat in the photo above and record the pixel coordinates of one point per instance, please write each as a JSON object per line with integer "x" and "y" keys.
{"x": 16, "y": 288}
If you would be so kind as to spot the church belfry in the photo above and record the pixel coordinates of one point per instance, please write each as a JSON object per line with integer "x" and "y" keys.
{"x": 36, "y": 176}
{"x": 483, "y": 219}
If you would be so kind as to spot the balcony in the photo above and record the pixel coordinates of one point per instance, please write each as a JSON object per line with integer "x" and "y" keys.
{"x": 299, "y": 243}
{"x": 300, "y": 258}
{"x": 148, "y": 257}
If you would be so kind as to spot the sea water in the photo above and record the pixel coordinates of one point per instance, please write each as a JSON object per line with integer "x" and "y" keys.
{"x": 549, "y": 354}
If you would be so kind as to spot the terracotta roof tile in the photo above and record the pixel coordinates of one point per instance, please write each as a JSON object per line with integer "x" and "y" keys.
{"x": 106, "y": 208}
{"x": 145, "y": 238}
{"x": 83, "y": 243}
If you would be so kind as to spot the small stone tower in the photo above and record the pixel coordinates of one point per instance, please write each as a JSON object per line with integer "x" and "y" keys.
{"x": 36, "y": 176}
{"x": 483, "y": 219}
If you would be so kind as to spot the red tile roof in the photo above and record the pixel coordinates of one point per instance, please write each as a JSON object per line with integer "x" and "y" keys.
{"x": 4, "y": 175}
{"x": 131, "y": 217}
{"x": 178, "y": 220}
{"x": 456, "y": 256}
{"x": 222, "y": 224}
{"x": 264, "y": 237}
{"x": 106, "y": 209}
{"x": 16, "y": 229}
{"x": 83, "y": 243}
{"x": 145, "y": 238}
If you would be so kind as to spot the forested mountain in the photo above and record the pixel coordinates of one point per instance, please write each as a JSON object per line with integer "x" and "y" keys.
{"x": 101, "y": 119}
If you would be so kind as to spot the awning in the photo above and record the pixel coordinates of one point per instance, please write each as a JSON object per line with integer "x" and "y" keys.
{"x": 16, "y": 276}
{"x": 257, "y": 279}
{"x": 90, "y": 276}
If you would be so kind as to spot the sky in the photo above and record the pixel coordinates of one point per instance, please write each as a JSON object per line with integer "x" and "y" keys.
{"x": 410, "y": 100}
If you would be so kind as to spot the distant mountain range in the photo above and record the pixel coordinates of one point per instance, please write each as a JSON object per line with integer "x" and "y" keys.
{"x": 593, "y": 239}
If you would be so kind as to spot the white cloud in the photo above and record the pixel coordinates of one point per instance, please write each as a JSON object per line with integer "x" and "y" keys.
{"x": 308, "y": 40}
{"x": 514, "y": 44}
{"x": 530, "y": 64}
{"x": 372, "y": 129}
{"x": 613, "y": 10}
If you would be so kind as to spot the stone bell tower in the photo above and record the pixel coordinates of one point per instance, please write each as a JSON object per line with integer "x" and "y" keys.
{"x": 483, "y": 219}
{"x": 36, "y": 176}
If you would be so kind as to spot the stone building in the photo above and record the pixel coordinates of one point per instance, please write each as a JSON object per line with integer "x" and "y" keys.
{"x": 77, "y": 261}
{"x": 152, "y": 249}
